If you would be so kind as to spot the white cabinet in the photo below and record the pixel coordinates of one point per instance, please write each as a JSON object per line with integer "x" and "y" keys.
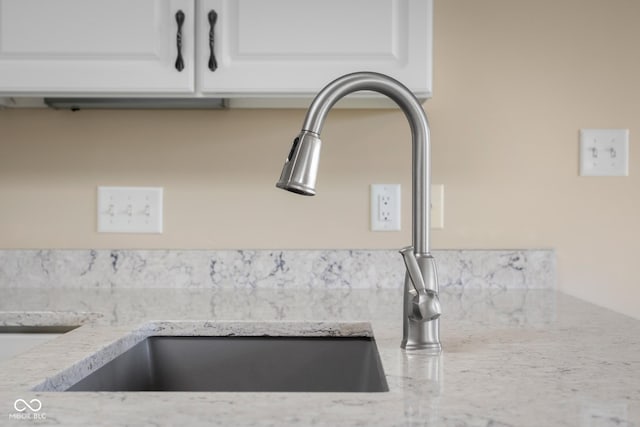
{"x": 264, "y": 49}
{"x": 294, "y": 47}
{"x": 95, "y": 46}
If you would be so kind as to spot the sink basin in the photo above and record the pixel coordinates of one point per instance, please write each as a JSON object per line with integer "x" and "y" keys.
{"x": 243, "y": 364}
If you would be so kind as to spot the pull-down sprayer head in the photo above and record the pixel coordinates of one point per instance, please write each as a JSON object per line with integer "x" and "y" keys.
{"x": 301, "y": 167}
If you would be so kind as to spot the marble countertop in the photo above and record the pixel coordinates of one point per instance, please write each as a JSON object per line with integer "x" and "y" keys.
{"x": 525, "y": 357}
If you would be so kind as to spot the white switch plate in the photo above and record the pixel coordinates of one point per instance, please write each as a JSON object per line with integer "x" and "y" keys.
{"x": 604, "y": 152}
{"x": 437, "y": 206}
{"x": 130, "y": 209}
{"x": 385, "y": 207}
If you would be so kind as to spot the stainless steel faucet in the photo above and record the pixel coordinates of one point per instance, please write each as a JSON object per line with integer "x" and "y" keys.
{"x": 421, "y": 324}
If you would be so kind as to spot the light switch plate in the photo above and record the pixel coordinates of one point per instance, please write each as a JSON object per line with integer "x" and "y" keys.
{"x": 604, "y": 152}
{"x": 130, "y": 209}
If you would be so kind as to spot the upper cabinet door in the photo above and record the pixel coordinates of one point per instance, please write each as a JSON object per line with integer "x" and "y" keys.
{"x": 95, "y": 46}
{"x": 295, "y": 47}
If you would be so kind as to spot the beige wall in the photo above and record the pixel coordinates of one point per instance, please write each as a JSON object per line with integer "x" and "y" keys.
{"x": 514, "y": 82}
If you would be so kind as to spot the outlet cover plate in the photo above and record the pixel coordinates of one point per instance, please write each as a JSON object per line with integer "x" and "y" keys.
{"x": 130, "y": 209}
{"x": 385, "y": 207}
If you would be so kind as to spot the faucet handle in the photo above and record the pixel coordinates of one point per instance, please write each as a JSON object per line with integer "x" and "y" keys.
{"x": 425, "y": 305}
{"x": 413, "y": 269}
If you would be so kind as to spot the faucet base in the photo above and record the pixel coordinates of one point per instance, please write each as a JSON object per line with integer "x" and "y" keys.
{"x": 423, "y": 336}
{"x": 418, "y": 334}
{"x": 432, "y": 348}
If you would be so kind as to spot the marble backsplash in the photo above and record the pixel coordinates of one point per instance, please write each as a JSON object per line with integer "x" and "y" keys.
{"x": 269, "y": 269}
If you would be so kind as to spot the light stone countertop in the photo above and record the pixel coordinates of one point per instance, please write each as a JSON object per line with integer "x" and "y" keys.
{"x": 526, "y": 357}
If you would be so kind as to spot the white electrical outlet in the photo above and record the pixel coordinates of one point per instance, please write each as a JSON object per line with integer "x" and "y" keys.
{"x": 604, "y": 152}
{"x": 385, "y": 207}
{"x": 130, "y": 209}
{"x": 437, "y": 206}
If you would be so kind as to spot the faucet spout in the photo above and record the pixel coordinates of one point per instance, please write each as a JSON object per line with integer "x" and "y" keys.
{"x": 422, "y": 306}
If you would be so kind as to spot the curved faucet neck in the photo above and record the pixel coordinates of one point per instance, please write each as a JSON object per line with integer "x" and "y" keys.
{"x": 421, "y": 145}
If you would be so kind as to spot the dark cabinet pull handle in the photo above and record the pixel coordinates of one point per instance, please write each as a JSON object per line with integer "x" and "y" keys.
{"x": 213, "y": 17}
{"x": 180, "y": 21}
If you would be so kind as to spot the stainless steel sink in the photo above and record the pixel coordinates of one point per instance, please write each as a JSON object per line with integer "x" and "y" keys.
{"x": 243, "y": 364}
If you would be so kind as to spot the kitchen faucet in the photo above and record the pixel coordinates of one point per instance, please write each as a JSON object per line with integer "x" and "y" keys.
{"x": 421, "y": 312}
